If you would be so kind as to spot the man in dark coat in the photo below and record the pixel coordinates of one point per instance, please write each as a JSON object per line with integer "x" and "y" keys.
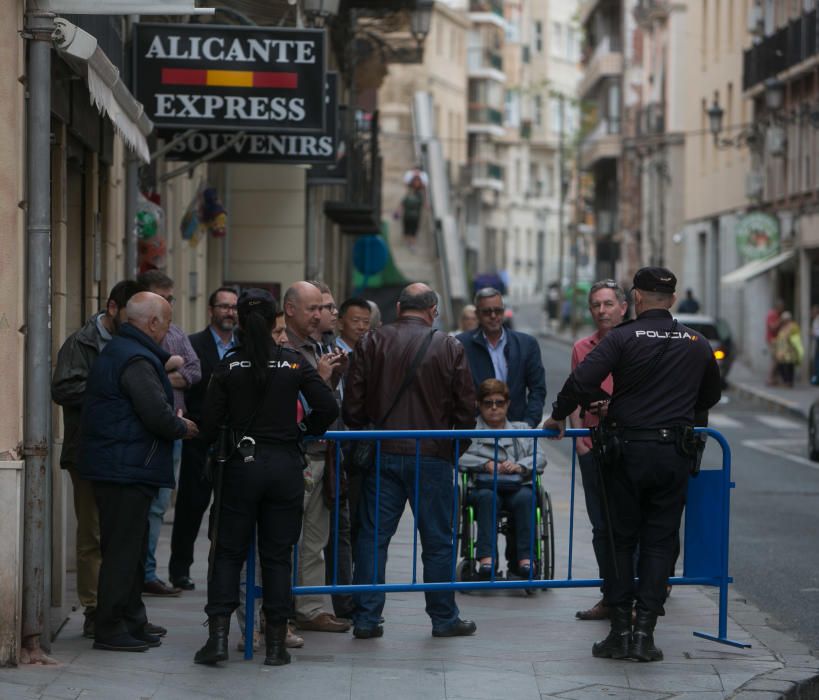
{"x": 126, "y": 448}
{"x": 497, "y": 352}
{"x": 194, "y": 491}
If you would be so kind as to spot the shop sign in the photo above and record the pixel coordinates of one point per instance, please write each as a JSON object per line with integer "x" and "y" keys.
{"x": 757, "y": 236}
{"x": 230, "y": 78}
{"x": 274, "y": 147}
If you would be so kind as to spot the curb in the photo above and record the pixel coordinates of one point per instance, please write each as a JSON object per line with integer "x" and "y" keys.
{"x": 751, "y": 392}
{"x": 789, "y": 683}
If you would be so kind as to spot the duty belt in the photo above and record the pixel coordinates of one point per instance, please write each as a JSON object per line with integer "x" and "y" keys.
{"x": 649, "y": 434}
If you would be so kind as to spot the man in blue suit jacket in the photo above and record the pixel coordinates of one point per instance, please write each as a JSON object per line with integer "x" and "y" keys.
{"x": 514, "y": 358}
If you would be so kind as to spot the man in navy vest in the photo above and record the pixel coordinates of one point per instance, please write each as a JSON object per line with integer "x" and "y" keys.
{"x": 128, "y": 428}
{"x": 500, "y": 353}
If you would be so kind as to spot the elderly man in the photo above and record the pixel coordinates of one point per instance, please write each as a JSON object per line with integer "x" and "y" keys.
{"x": 194, "y": 491}
{"x": 77, "y": 356}
{"x": 184, "y": 371}
{"x": 512, "y": 357}
{"x": 608, "y": 306}
{"x": 406, "y": 375}
{"x": 126, "y": 449}
{"x": 304, "y": 316}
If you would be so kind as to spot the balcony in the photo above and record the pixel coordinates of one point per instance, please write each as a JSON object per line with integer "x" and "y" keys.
{"x": 487, "y": 175}
{"x": 782, "y": 50}
{"x": 485, "y": 63}
{"x": 603, "y": 142}
{"x": 493, "y": 6}
{"x": 605, "y": 61}
{"x": 483, "y": 119}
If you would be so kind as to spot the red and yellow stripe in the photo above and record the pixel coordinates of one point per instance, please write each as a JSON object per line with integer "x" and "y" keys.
{"x": 229, "y": 78}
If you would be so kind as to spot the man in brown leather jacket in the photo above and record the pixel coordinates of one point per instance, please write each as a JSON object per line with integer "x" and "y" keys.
{"x": 441, "y": 396}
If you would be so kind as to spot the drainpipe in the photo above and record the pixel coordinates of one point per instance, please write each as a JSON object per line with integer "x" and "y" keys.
{"x": 36, "y": 426}
{"x": 131, "y": 175}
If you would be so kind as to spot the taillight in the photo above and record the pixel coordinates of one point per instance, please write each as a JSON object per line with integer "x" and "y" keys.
{"x": 719, "y": 354}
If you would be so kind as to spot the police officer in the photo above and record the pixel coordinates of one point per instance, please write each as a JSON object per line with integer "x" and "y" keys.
{"x": 665, "y": 380}
{"x": 254, "y": 392}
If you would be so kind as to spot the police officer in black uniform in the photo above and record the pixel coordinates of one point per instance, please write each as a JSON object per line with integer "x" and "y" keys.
{"x": 254, "y": 392}
{"x": 665, "y": 380}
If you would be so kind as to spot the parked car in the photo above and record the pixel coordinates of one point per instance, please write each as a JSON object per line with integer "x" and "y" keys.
{"x": 718, "y": 334}
{"x": 813, "y": 431}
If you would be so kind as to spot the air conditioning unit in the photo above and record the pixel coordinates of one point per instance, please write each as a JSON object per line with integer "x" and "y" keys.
{"x": 756, "y": 20}
{"x": 754, "y": 184}
{"x": 775, "y": 141}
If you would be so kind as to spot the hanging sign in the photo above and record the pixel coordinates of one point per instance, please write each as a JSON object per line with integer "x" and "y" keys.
{"x": 275, "y": 147}
{"x": 757, "y": 236}
{"x": 231, "y": 78}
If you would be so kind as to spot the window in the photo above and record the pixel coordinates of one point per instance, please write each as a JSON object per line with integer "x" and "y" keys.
{"x": 538, "y": 116}
{"x": 572, "y": 45}
{"x": 556, "y": 114}
{"x": 557, "y": 39}
{"x": 538, "y": 37}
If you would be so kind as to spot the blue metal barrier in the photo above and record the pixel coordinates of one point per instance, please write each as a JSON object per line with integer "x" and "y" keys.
{"x": 707, "y": 521}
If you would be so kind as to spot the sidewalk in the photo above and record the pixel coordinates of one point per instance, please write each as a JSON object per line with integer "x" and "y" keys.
{"x": 525, "y": 647}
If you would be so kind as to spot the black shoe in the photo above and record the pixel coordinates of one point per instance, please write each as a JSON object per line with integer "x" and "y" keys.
{"x": 642, "y": 640}
{"x": 184, "y": 583}
{"x": 88, "y": 626}
{"x": 459, "y": 628}
{"x": 616, "y": 645}
{"x": 157, "y": 630}
{"x": 121, "y": 642}
{"x": 368, "y": 632}
{"x": 151, "y": 640}
{"x": 216, "y": 648}
{"x": 276, "y": 653}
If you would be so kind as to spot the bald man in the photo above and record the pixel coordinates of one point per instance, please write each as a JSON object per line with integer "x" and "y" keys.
{"x": 439, "y": 394}
{"x": 126, "y": 450}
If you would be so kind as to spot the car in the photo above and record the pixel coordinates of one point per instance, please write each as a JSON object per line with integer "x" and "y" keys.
{"x": 813, "y": 432}
{"x": 718, "y": 334}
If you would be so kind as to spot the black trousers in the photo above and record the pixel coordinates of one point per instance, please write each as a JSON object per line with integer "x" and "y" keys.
{"x": 646, "y": 495}
{"x": 123, "y": 510}
{"x": 268, "y": 492}
{"x": 343, "y": 605}
{"x": 597, "y": 516}
{"x": 193, "y": 497}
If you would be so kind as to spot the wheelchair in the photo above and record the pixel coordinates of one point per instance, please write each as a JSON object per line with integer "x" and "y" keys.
{"x": 544, "y": 545}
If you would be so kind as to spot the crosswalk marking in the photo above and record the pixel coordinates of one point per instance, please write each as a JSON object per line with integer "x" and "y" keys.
{"x": 780, "y": 423}
{"x": 720, "y": 421}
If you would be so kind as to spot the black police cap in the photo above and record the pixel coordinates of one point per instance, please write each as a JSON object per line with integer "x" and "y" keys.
{"x": 257, "y": 300}
{"x": 655, "y": 279}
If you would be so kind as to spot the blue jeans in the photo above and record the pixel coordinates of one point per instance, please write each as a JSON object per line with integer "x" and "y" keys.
{"x": 434, "y": 519}
{"x": 518, "y": 504}
{"x": 158, "y": 507}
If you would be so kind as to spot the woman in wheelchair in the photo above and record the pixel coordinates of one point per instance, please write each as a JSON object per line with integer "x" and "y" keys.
{"x": 514, "y": 466}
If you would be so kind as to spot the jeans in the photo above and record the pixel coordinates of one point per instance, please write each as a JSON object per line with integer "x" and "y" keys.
{"x": 590, "y": 475}
{"x": 518, "y": 504}
{"x": 434, "y": 518}
{"x": 157, "y": 513}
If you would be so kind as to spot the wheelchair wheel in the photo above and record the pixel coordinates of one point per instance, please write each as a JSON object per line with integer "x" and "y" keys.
{"x": 466, "y": 568}
{"x": 546, "y": 528}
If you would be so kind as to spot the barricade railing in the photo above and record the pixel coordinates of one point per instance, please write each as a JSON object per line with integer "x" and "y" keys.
{"x": 706, "y": 526}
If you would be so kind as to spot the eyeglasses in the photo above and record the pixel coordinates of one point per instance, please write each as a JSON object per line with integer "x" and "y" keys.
{"x": 494, "y": 403}
{"x": 226, "y": 307}
{"x": 332, "y": 308}
{"x": 492, "y": 311}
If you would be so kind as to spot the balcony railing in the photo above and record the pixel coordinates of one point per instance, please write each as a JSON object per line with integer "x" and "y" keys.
{"x": 493, "y": 6}
{"x": 485, "y": 115}
{"x": 487, "y": 171}
{"x": 783, "y": 49}
{"x": 481, "y": 58}
{"x": 610, "y": 43}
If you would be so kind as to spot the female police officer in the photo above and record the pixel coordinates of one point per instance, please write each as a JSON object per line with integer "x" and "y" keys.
{"x": 254, "y": 393}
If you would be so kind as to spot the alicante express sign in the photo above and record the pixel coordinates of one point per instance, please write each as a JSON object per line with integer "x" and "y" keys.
{"x": 230, "y": 78}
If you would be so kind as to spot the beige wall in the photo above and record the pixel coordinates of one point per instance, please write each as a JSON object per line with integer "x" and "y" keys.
{"x": 715, "y": 180}
{"x": 11, "y": 319}
{"x": 267, "y": 223}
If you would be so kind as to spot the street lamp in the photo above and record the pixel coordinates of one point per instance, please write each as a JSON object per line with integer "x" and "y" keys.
{"x": 715, "y": 114}
{"x": 321, "y": 8}
{"x": 749, "y": 135}
{"x": 421, "y": 19}
{"x": 774, "y": 94}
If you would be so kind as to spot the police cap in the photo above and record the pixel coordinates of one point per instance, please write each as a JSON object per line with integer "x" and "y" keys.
{"x": 655, "y": 279}
{"x": 257, "y": 300}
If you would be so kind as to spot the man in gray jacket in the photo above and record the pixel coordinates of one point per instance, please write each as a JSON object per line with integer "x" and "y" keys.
{"x": 74, "y": 362}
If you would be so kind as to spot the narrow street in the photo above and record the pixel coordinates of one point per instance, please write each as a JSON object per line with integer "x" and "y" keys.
{"x": 774, "y": 508}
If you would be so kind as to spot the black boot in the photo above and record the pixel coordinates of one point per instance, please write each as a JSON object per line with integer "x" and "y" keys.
{"x": 274, "y": 639}
{"x": 616, "y": 645}
{"x": 642, "y": 640}
{"x": 216, "y": 648}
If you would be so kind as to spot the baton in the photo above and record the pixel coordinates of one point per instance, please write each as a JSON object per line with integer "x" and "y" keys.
{"x": 221, "y": 458}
